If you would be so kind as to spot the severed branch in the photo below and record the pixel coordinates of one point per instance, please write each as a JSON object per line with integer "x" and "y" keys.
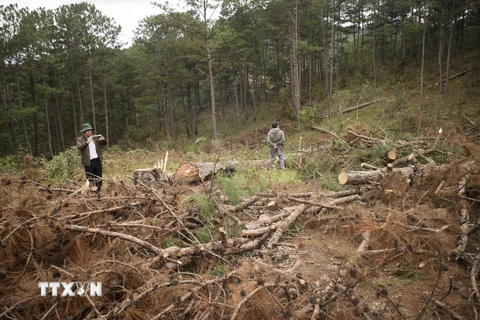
{"x": 371, "y": 139}
{"x": 473, "y": 276}
{"x": 82, "y": 215}
{"x": 247, "y": 203}
{"x": 283, "y": 226}
{"x": 316, "y": 204}
{"x": 447, "y": 308}
{"x": 464, "y": 225}
{"x": 364, "y": 245}
{"x": 332, "y": 133}
{"x": 150, "y": 247}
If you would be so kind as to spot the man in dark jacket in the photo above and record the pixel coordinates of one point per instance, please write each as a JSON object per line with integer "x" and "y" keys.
{"x": 275, "y": 140}
{"x": 89, "y": 146}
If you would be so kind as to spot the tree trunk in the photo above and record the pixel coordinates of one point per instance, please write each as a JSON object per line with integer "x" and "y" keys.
{"x": 169, "y": 98}
{"x": 74, "y": 112}
{"x": 61, "y": 134}
{"x": 212, "y": 90}
{"x": 47, "y": 117}
{"x": 91, "y": 94}
{"x": 325, "y": 56}
{"x": 235, "y": 91}
{"x": 80, "y": 104}
{"x": 35, "y": 117}
{"x": 375, "y": 45}
{"x": 423, "y": 66}
{"x": 440, "y": 54}
{"x": 449, "y": 50}
{"x": 296, "y": 72}
{"x": 187, "y": 110}
{"x": 254, "y": 100}
{"x": 330, "y": 95}
{"x": 105, "y": 101}
{"x": 20, "y": 103}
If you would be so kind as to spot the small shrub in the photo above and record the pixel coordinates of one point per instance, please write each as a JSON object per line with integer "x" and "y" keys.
{"x": 8, "y": 164}
{"x": 64, "y": 166}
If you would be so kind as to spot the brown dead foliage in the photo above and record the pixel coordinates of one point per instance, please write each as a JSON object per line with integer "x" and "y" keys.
{"x": 387, "y": 255}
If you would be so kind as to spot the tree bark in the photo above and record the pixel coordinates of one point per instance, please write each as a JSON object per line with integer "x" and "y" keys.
{"x": 91, "y": 93}
{"x": 105, "y": 101}
{"x": 47, "y": 117}
{"x": 423, "y": 66}
{"x": 200, "y": 171}
{"x": 452, "y": 24}
{"x": 212, "y": 89}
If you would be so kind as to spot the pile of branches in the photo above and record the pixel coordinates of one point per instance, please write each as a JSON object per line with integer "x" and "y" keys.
{"x": 142, "y": 243}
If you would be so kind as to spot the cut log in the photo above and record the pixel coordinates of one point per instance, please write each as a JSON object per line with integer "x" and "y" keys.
{"x": 366, "y": 177}
{"x": 456, "y": 76}
{"x": 392, "y": 154}
{"x": 201, "y": 171}
{"x": 360, "y": 177}
{"x": 349, "y": 109}
{"x": 368, "y": 166}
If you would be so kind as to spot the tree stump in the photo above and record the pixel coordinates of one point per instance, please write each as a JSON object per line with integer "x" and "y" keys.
{"x": 150, "y": 174}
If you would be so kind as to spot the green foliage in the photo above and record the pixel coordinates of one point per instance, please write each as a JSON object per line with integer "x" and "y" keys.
{"x": 8, "y": 164}
{"x": 336, "y": 145}
{"x": 64, "y": 166}
{"x": 231, "y": 189}
{"x": 320, "y": 168}
{"x": 171, "y": 242}
{"x": 374, "y": 155}
{"x": 442, "y": 155}
{"x": 408, "y": 274}
{"x": 234, "y": 228}
{"x": 203, "y": 235}
{"x": 309, "y": 114}
{"x": 219, "y": 271}
{"x": 205, "y": 205}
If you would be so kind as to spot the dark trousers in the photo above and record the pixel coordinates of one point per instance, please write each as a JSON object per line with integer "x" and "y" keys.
{"x": 94, "y": 173}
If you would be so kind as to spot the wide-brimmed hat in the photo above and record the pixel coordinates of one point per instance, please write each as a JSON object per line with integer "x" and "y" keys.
{"x": 86, "y": 127}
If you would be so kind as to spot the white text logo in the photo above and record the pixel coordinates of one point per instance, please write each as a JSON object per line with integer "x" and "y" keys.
{"x": 71, "y": 289}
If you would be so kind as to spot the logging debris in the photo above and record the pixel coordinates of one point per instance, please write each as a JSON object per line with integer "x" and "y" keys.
{"x": 310, "y": 252}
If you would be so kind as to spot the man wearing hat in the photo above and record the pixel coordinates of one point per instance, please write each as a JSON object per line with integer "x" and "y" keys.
{"x": 275, "y": 140}
{"x": 89, "y": 146}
